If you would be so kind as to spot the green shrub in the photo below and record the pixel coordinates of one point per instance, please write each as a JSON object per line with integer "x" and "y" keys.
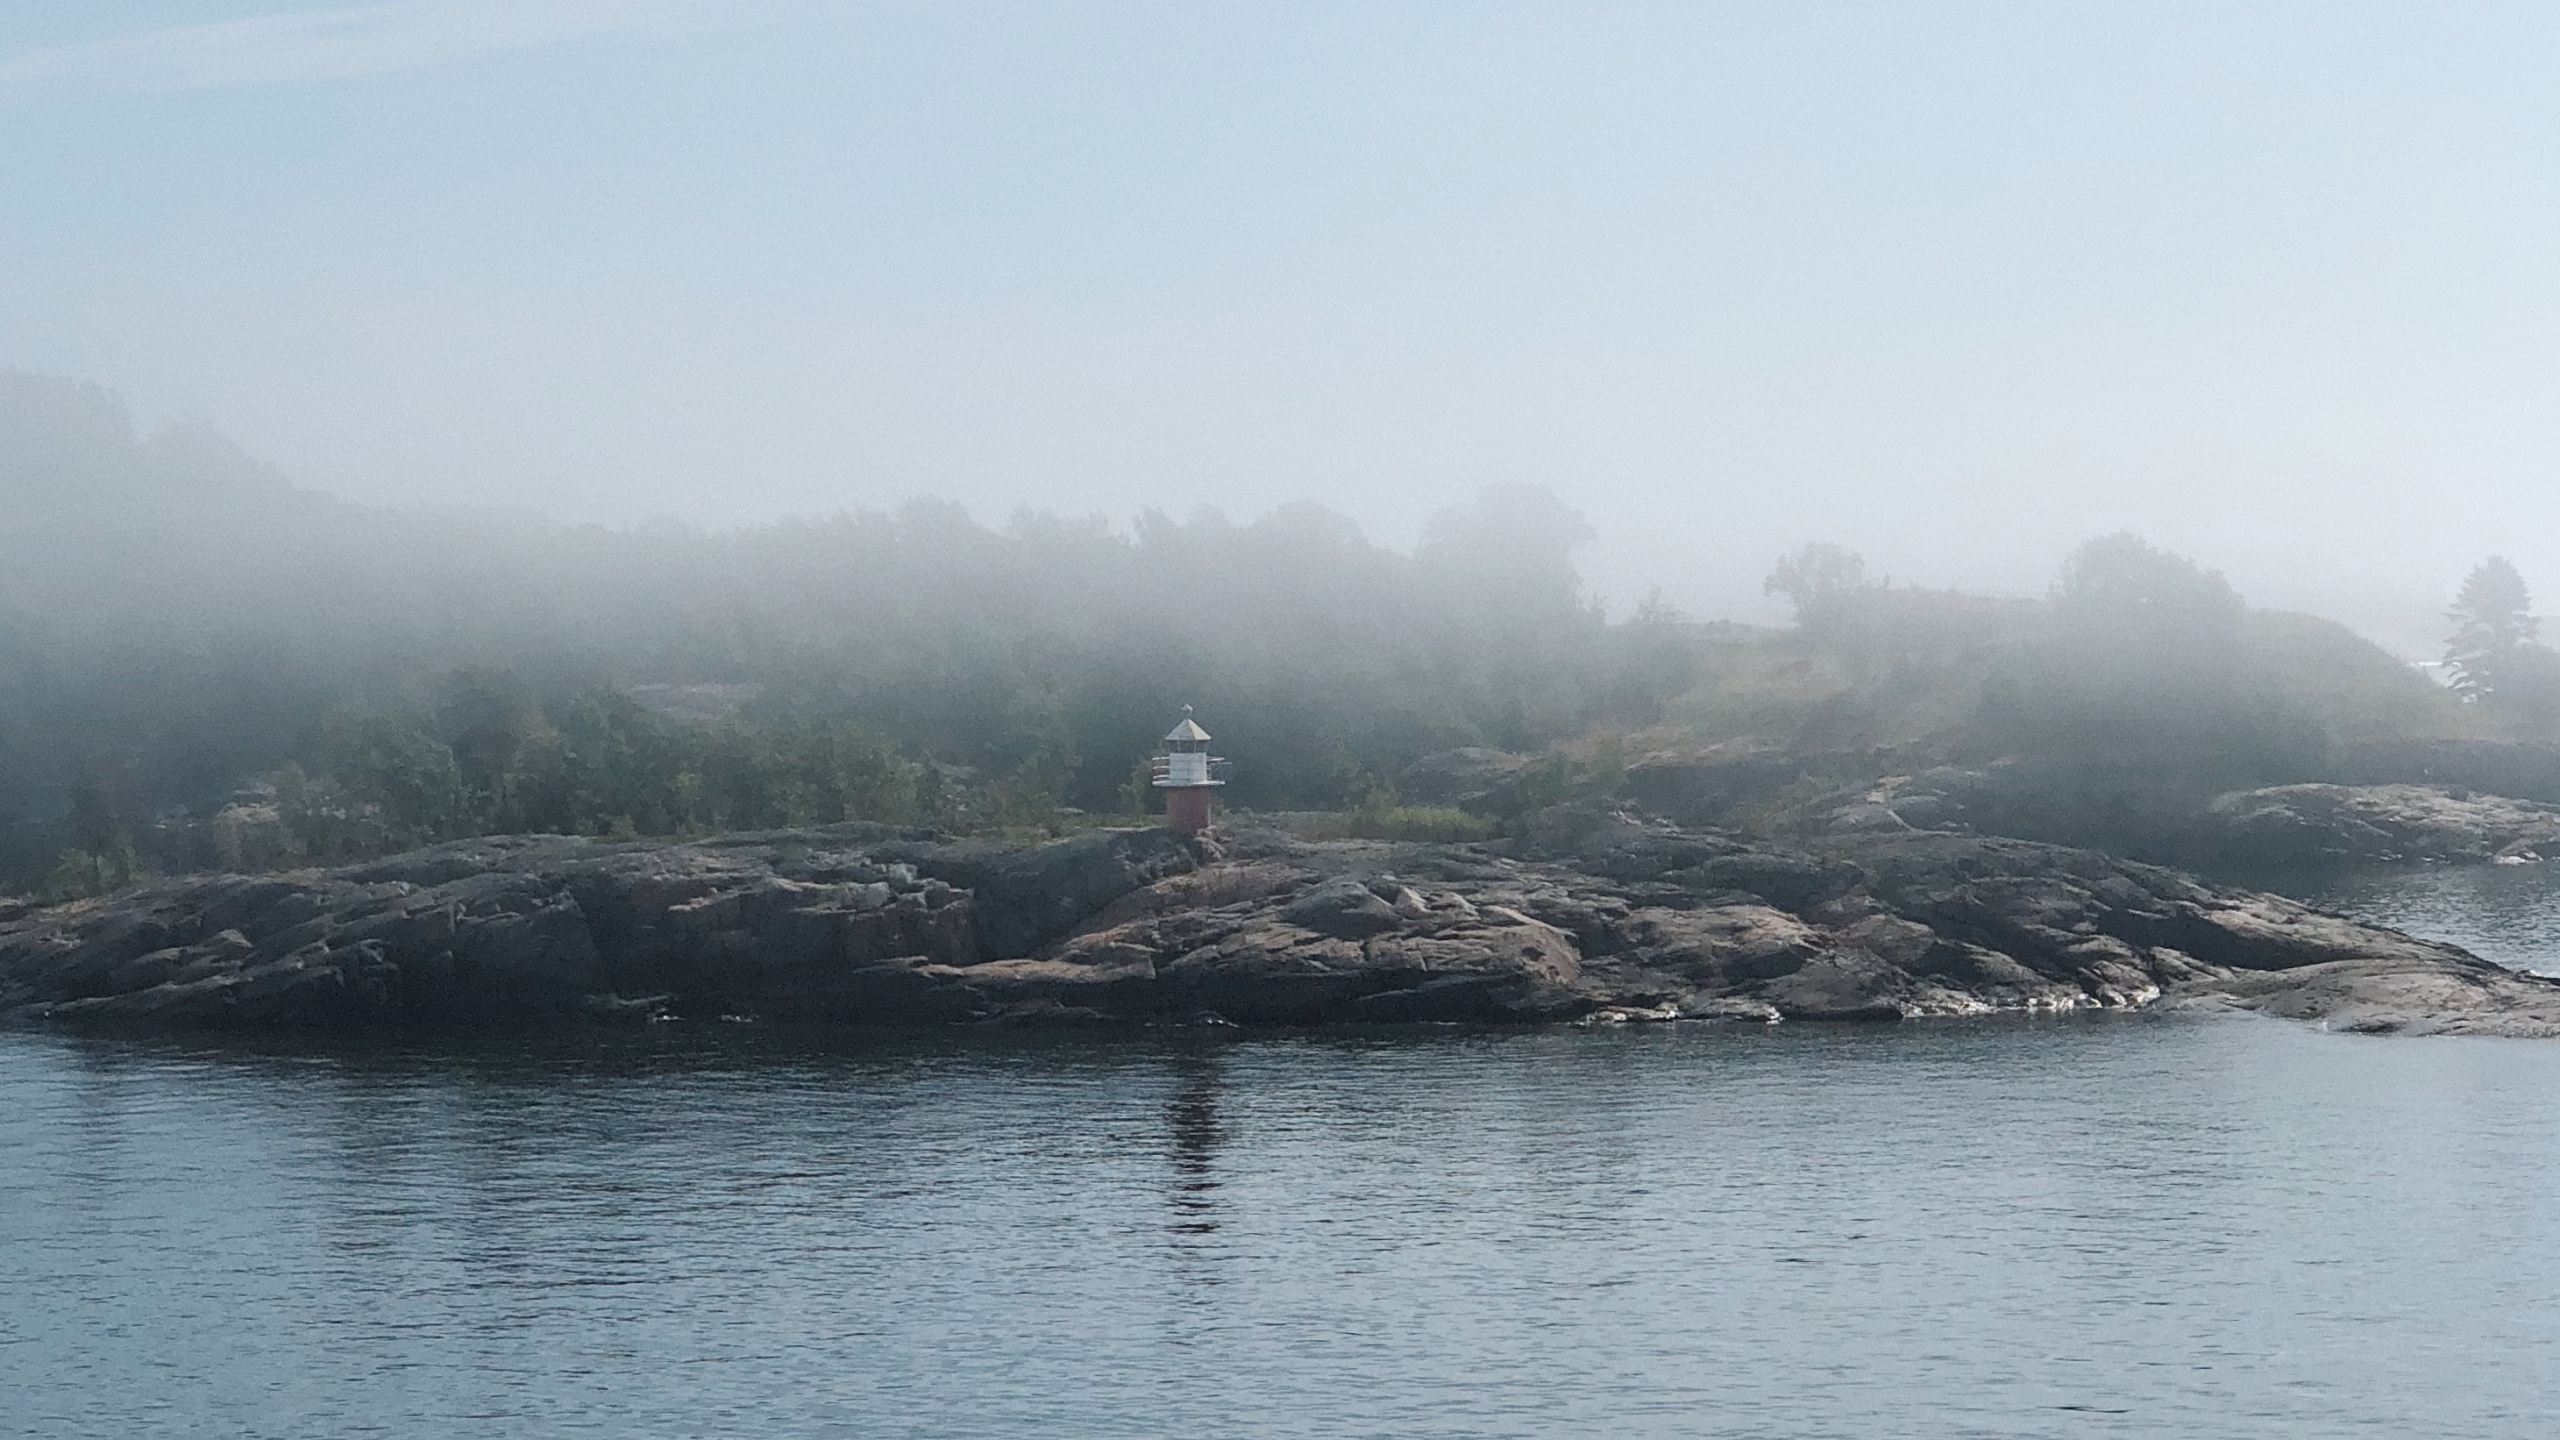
{"x": 85, "y": 873}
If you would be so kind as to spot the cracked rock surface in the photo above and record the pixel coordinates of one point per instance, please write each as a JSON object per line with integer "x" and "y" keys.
{"x": 1628, "y": 919}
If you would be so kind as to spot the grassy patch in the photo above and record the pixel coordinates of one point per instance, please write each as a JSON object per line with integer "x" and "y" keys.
{"x": 1441, "y": 824}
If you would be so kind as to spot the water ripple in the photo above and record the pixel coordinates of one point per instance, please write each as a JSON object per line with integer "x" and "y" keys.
{"x": 2105, "y": 1226}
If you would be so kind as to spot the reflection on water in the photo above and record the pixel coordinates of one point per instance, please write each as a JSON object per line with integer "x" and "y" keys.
{"x": 2123, "y": 1225}
{"x": 2506, "y": 913}
{"x": 1191, "y": 1126}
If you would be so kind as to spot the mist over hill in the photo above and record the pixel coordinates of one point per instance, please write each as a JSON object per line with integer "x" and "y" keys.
{"x": 177, "y": 621}
{"x": 185, "y": 636}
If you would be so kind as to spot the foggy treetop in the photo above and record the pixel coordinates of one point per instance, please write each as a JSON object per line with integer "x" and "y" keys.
{"x": 176, "y": 619}
{"x": 177, "y": 623}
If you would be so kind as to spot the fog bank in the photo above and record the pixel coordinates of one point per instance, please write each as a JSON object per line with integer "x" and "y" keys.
{"x": 1958, "y": 287}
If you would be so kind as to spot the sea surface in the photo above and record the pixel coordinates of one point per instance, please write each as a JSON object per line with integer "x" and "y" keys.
{"x": 2178, "y": 1223}
{"x": 2506, "y": 913}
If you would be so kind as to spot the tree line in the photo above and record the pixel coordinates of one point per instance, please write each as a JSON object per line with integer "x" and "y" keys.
{"x": 184, "y": 635}
{"x": 200, "y": 664}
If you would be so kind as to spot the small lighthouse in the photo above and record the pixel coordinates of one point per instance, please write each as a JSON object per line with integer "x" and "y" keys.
{"x": 1182, "y": 773}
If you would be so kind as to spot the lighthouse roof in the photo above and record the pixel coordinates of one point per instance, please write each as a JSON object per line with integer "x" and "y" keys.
{"x": 1189, "y": 729}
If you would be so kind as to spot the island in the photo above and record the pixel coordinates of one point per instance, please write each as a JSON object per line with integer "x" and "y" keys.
{"x": 1622, "y": 918}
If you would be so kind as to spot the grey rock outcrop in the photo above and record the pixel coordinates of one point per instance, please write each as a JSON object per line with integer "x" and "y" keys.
{"x": 2298, "y": 824}
{"x": 1613, "y": 917}
{"x": 1472, "y": 777}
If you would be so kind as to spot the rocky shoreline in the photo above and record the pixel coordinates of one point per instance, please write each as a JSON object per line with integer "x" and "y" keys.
{"x": 2328, "y": 824}
{"x": 1625, "y": 919}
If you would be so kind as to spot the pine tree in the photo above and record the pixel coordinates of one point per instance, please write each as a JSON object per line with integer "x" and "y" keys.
{"x": 2492, "y": 623}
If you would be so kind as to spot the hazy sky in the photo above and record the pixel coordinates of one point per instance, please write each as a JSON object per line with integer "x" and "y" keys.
{"x": 2278, "y": 285}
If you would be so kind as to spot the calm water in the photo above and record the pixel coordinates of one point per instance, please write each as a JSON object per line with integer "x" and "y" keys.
{"x": 2507, "y": 913}
{"x": 2197, "y": 1225}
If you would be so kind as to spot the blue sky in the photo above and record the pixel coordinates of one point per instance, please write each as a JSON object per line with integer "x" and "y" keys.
{"x": 1955, "y": 284}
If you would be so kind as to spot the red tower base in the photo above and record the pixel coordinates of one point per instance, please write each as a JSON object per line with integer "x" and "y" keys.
{"x": 1186, "y": 808}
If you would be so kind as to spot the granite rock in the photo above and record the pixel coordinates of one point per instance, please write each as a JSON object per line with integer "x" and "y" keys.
{"x": 1615, "y": 917}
